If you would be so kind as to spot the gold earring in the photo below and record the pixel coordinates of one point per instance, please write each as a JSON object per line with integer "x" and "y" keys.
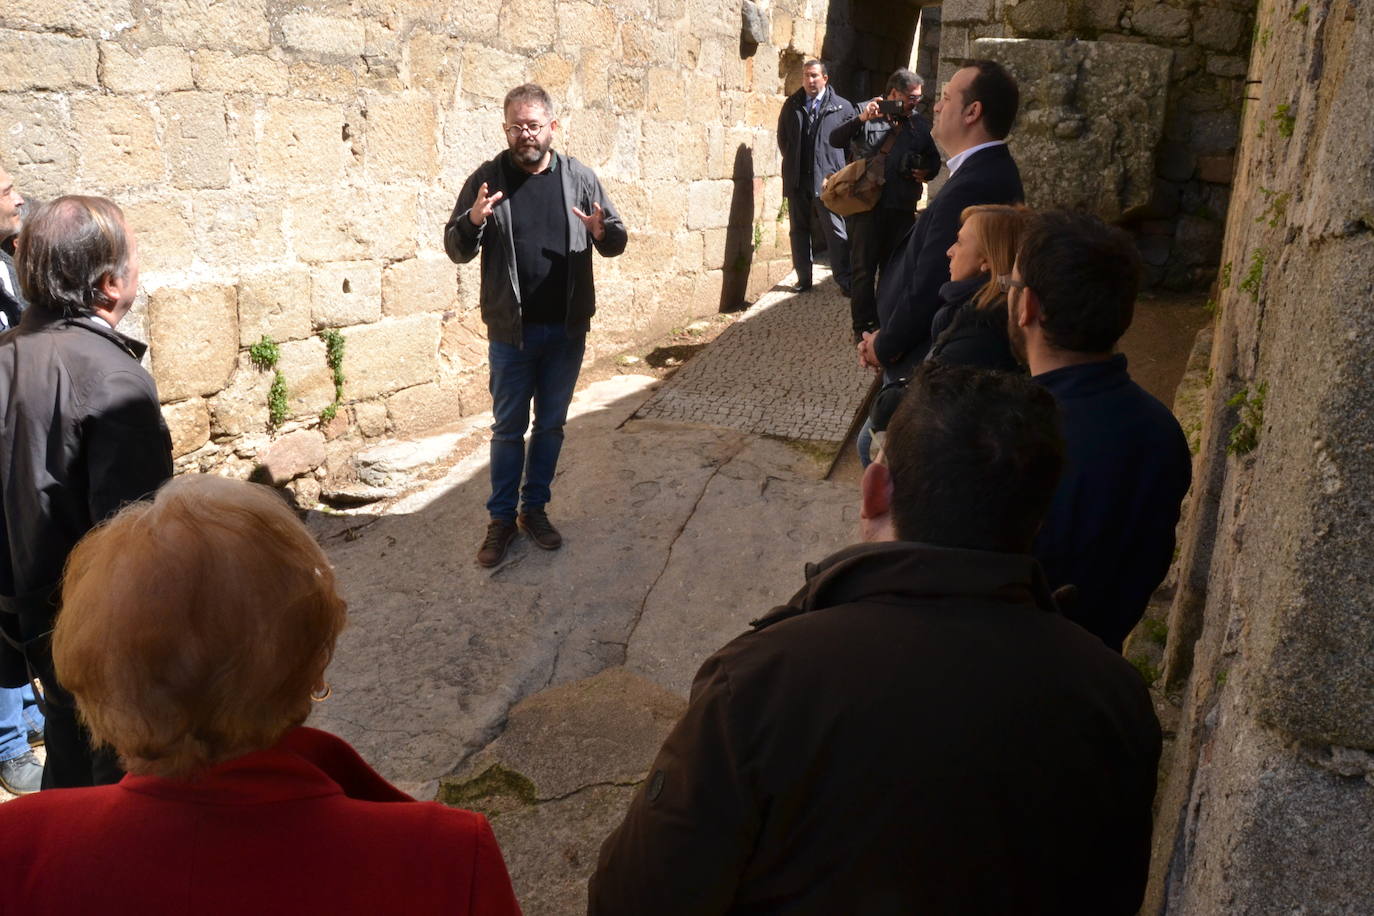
{"x": 320, "y": 694}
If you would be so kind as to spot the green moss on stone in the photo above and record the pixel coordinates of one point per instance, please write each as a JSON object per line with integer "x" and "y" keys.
{"x": 493, "y": 782}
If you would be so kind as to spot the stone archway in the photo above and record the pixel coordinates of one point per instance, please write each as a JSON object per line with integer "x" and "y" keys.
{"x": 866, "y": 40}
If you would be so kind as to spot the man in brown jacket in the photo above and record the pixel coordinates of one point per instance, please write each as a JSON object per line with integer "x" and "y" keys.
{"x": 918, "y": 730}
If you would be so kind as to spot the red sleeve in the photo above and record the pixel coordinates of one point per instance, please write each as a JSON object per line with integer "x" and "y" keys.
{"x": 492, "y": 893}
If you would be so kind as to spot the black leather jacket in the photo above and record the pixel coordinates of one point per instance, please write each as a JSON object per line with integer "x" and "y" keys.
{"x": 82, "y": 435}
{"x": 500, "y": 296}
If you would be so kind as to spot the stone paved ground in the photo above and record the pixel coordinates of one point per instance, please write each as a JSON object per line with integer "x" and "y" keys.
{"x": 787, "y": 368}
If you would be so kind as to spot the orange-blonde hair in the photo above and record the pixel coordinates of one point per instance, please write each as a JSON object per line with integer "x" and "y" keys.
{"x": 998, "y": 234}
{"x": 193, "y": 627}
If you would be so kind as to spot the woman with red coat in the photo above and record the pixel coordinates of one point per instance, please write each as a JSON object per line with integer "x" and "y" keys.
{"x": 194, "y": 632}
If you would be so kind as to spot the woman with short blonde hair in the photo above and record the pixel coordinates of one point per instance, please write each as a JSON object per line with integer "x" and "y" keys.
{"x": 195, "y": 630}
{"x": 970, "y": 328}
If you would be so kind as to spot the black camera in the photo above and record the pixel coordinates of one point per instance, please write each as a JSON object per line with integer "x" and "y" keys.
{"x": 893, "y": 108}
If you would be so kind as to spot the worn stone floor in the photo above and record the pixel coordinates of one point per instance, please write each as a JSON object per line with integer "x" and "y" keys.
{"x": 539, "y": 691}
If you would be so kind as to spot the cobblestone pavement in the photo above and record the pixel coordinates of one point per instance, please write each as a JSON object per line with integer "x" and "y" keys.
{"x": 787, "y": 368}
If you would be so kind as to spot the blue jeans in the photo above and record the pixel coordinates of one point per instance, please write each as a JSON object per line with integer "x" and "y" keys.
{"x": 19, "y": 715}
{"x": 543, "y": 370}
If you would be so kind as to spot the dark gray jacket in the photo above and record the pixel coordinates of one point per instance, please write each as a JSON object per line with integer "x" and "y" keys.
{"x": 500, "y": 296}
{"x": 81, "y": 434}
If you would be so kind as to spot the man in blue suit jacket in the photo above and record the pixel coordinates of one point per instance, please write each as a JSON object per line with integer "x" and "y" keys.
{"x": 972, "y": 119}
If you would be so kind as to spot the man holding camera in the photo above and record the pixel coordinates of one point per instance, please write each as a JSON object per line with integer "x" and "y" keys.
{"x": 890, "y": 124}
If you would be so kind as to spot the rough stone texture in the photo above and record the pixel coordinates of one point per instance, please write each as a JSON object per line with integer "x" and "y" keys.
{"x": 309, "y": 380}
{"x": 421, "y": 284}
{"x": 1091, "y": 123}
{"x": 548, "y": 618}
{"x": 423, "y": 407}
{"x": 193, "y": 339}
{"x": 391, "y": 355}
{"x": 189, "y": 424}
{"x": 150, "y": 70}
{"x": 275, "y": 304}
{"x": 29, "y": 61}
{"x": 292, "y": 455}
{"x": 196, "y": 139}
{"x": 346, "y": 293}
{"x": 1265, "y": 808}
{"x": 241, "y": 407}
{"x": 751, "y": 379}
{"x": 283, "y": 148}
{"x": 582, "y": 747}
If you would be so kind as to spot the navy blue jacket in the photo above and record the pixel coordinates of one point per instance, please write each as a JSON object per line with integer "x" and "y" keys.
{"x": 909, "y": 290}
{"x": 1110, "y": 529}
{"x": 963, "y": 335}
{"x": 796, "y": 141}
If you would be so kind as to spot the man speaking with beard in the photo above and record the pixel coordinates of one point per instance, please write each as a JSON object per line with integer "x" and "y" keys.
{"x": 535, "y": 215}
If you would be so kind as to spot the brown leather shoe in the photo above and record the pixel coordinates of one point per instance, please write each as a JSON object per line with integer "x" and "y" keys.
{"x": 536, "y": 524}
{"x": 500, "y": 532}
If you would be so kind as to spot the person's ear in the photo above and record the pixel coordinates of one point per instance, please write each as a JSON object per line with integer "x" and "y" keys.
{"x": 973, "y": 112}
{"x": 875, "y": 491}
{"x": 1030, "y": 308}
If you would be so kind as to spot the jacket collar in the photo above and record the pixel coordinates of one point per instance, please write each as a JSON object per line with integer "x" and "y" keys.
{"x": 305, "y": 763}
{"x": 959, "y": 290}
{"x": 41, "y": 319}
{"x": 890, "y": 571}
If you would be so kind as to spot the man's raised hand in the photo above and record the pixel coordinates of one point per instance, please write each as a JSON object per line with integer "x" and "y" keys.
{"x": 594, "y": 221}
{"x": 483, "y": 206}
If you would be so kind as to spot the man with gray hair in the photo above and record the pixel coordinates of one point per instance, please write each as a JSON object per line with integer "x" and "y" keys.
{"x": 82, "y": 434}
{"x": 535, "y": 215}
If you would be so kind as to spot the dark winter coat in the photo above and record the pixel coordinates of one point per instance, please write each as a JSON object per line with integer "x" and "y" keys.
{"x": 917, "y": 731}
{"x": 500, "y": 295}
{"x": 82, "y": 435}
{"x": 798, "y": 136}
{"x": 908, "y": 295}
{"x": 1110, "y": 528}
{"x": 965, "y": 335}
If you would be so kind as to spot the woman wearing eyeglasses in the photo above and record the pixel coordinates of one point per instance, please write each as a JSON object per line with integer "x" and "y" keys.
{"x": 194, "y": 632}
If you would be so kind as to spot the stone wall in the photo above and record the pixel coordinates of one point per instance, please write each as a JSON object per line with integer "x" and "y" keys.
{"x": 289, "y": 168}
{"x": 1268, "y": 800}
{"x": 1179, "y": 225}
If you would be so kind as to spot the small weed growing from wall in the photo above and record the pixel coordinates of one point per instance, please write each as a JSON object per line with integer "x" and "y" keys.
{"x": 782, "y": 210}
{"x": 277, "y": 408}
{"x": 1225, "y": 277}
{"x": 334, "y": 356}
{"x": 265, "y": 353}
{"x": 1157, "y": 631}
{"x": 1254, "y": 275}
{"x": 1284, "y": 118}
{"x": 1275, "y": 207}
{"x": 1301, "y": 14}
{"x": 758, "y": 236}
{"x": 1210, "y": 307}
{"x": 1245, "y": 434}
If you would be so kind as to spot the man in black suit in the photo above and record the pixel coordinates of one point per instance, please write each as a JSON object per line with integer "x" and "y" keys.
{"x": 972, "y": 119}
{"x": 808, "y": 116}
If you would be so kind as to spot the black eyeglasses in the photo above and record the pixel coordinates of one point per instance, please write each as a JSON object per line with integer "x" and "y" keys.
{"x": 515, "y": 131}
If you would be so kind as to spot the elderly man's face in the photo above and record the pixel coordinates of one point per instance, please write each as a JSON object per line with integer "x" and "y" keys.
{"x": 11, "y": 207}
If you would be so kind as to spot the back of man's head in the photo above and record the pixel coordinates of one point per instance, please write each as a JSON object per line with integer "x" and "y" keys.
{"x": 1085, "y": 274}
{"x": 974, "y": 458}
{"x": 997, "y": 90}
{"x": 66, "y": 249}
